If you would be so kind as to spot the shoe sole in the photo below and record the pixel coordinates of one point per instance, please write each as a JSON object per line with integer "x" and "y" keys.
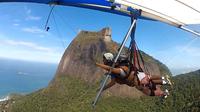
{"x": 168, "y": 80}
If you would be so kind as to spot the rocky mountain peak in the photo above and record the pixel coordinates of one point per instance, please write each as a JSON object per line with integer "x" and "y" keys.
{"x": 86, "y": 49}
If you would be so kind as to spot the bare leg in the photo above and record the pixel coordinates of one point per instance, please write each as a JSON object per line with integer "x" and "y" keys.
{"x": 131, "y": 76}
{"x": 165, "y": 80}
{"x": 158, "y": 92}
{"x": 156, "y": 77}
{"x": 145, "y": 90}
{"x": 160, "y": 80}
{"x": 157, "y": 82}
{"x": 149, "y": 92}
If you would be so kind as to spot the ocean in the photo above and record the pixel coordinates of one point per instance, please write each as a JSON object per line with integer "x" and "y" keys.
{"x": 24, "y": 77}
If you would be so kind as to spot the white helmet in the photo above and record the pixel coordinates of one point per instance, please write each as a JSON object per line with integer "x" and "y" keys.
{"x": 108, "y": 56}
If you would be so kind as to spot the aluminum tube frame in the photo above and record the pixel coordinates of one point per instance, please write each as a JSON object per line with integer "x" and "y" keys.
{"x": 189, "y": 30}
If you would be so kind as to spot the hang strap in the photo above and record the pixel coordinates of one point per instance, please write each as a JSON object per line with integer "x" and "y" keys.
{"x": 136, "y": 57}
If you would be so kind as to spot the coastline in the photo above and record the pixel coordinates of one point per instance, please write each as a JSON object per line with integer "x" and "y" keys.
{"x": 6, "y": 98}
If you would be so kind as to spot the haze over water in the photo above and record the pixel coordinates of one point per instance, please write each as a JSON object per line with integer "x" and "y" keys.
{"x": 23, "y": 76}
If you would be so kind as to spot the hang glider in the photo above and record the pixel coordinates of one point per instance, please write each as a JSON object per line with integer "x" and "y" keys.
{"x": 184, "y": 14}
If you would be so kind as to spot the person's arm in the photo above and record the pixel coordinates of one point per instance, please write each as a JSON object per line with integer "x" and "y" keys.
{"x": 106, "y": 67}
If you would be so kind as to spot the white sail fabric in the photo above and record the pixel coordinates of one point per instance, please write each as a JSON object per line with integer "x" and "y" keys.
{"x": 174, "y": 12}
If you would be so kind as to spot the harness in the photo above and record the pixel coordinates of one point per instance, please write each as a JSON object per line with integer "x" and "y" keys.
{"x": 136, "y": 61}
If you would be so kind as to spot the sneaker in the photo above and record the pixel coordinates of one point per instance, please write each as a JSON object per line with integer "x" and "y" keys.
{"x": 166, "y": 94}
{"x": 168, "y": 80}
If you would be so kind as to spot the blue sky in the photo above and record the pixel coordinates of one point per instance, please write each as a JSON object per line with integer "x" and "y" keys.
{"x": 22, "y": 34}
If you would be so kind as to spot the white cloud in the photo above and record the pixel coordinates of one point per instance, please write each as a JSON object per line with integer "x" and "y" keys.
{"x": 190, "y": 51}
{"x": 28, "y": 11}
{"x": 27, "y": 45}
{"x": 42, "y": 36}
{"x": 30, "y": 16}
{"x": 180, "y": 58}
{"x": 34, "y": 30}
{"x": 16, "y": 24}
{"x": 193, "y": 51}
{"x": 31, "y": 51}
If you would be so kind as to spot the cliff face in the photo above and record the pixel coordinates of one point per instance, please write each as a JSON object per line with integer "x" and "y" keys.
{"x": 80, "y": 57}
{"x": 86, "y": 49}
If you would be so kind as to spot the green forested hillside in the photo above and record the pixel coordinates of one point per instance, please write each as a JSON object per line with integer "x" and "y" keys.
{"x": 187, "y": 92}
{"x": 73, "y": 95}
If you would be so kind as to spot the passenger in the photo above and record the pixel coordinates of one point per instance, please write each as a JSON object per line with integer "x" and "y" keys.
{"x": 149, "y": 85}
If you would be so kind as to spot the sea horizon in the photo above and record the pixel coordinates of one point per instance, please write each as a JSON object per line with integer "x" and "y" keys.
{"x": 23, "y": 77}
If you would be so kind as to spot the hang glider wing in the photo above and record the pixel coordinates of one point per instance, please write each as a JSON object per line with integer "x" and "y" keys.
{"x": 184, "y": 14}
{"x": 101, "y": 5}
